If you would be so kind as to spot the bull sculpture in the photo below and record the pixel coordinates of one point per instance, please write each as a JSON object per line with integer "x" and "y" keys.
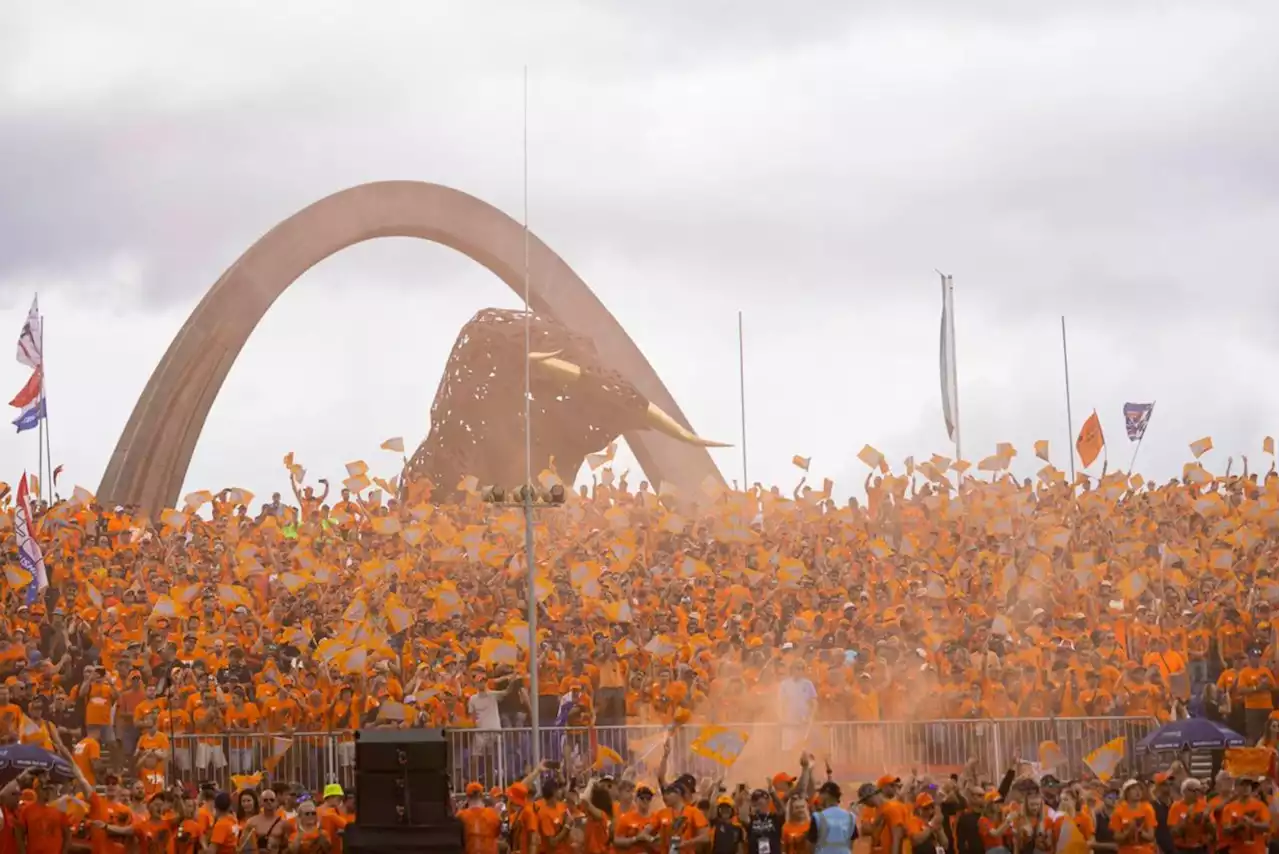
{"x": 577, "y": 406}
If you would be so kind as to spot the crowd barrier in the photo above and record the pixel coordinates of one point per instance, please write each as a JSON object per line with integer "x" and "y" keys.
{"x": 856, "y": 750}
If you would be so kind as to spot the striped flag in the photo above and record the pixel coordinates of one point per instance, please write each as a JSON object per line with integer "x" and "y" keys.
{"x": 29, "y": 557}
{"x": 947, "y": 363}
{"x": 31, "y": 338}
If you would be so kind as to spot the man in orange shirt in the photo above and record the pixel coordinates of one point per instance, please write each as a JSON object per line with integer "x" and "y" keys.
{"x": 1254, "y": 684}
{"x": 1134, "y": 821}
{"x": 42, "y": 827}
{"x": 242, "y": 717}
{"x": 890, "y": 816}
{"x": 10, "y": 717}
{"x": 637, "y": 830}
{"x": 480, "y": 824}
{"x": 1246, "y": 824}
{"x": 1190, "y": 822}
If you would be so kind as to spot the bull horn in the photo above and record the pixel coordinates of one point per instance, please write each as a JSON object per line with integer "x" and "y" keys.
{"x": 656, "y": 416}
{"x": 662, "y": 422}
{"x": 567, "y": 371}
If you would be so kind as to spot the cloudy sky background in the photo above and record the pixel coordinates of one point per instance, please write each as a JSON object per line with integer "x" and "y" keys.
{"x": 1116, "y": 163}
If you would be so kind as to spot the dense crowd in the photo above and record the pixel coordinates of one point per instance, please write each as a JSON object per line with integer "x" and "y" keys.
{"x": 1172, "y": 813}
{"x": 234, "y": 626}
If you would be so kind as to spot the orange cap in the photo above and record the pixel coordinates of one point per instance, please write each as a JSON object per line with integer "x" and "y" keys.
{"x": 924, "y": 799}
{"x": 887, "y": 780}
{"x": 782, "y": 778}
{"x": 474, "y": 789}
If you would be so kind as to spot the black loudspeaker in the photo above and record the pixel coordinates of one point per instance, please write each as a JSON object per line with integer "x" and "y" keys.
{"x": 402, "y": 780}
{"x": 444, "y": 839}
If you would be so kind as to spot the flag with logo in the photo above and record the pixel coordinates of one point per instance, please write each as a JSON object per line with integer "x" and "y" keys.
{"x": 31, "y": 338}
{"x": 1090, "y": 442}
{"x": 1136, "y": 416}
{"x": 29, "y": 556}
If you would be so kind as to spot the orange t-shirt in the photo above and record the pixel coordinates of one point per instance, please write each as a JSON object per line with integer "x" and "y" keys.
{"x": 225, "y": 835}
{"x": 595, "y": 836}
{"x": 632, "y": 824}
{"x": 1196, "y": 821}
{"x": 551, "y": 820}
{"x": 44, "y": 825}
{"x": 10, "y": 722}
{"x": 894, "y": 814}
{"x": 97, "y": 710}
{"x": 85, "y": 753}
{"x": 308, "y": 840}
{"x": 156, "y": 836}
{"x": 795, "y": 837}
{"x": 1251, "y": 677}
{"x": 1245, "y": 840}
{"x": 1126, "y": 817}
{"x": 480, "y": 828}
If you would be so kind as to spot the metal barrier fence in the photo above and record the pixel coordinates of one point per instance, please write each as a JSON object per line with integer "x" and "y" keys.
{"x": 856, "y": 750}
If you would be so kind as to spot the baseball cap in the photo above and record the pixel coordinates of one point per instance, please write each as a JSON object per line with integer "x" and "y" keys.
{"x": 333, "y": 790}
{"x": 886, "y": 781}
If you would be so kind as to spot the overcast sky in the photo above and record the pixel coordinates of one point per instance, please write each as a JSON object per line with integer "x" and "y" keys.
{"x": 1114, "y": 163}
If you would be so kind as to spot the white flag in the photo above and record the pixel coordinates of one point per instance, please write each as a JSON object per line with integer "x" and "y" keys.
{"x": 29, "y": 557}
{"x": 947, "y": 363}
{"x": 29, "y": 348}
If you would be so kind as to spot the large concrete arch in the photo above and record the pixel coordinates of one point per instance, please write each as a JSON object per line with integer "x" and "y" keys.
{"x": 151, "y": 459}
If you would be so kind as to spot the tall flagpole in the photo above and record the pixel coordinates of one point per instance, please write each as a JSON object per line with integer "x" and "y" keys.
{"x": 44, "y": 422}
{"x": 531, "y": 592}
{"x": 742, "y": 403}
{"x": 1150, "y": 412}
{"x": 1066, "y": 372}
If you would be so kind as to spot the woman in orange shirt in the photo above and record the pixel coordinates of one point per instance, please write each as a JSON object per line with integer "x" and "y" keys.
{"x": 795, "y": 830}
{"x": 553, "y": 820}
{"x": 598, "y": 827}
{"x": 993, "y": 825}
{"x": 1134, "y": 821}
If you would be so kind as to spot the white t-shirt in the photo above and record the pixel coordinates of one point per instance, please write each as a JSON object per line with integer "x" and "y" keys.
{"x": 796, "y": 698}
{"x": 484, "y": 710}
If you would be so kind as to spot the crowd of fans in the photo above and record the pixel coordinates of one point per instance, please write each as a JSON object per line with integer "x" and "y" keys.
{"x": 1173, "y": 813}
{"x": 232, "y": 628}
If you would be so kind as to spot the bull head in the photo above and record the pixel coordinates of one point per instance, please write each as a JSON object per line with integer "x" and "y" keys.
{"x": 577, "y": 406}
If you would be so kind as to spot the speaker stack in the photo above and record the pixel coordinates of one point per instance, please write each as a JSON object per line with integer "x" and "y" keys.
{"x": 403, "y": 794}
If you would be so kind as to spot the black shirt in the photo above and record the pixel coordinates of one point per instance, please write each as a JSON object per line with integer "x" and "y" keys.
{"x": 232, "y": 674}
{"x": 725, "y": 837}
{"x": 1102, "y": 827}
{"x": 766, "y": 828}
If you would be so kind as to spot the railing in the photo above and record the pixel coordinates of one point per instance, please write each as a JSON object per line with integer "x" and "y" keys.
{"x": 857, "y": 751}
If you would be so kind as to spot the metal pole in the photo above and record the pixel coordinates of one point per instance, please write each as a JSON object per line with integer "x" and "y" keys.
{"x": 1066, "y": 373}
{"x": 742, "y": 399}
{"x": 46, "y": 433}
{"x": 528, "y": 459}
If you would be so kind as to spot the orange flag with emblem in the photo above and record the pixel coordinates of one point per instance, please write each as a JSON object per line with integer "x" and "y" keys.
{"x": 1090, "y": 443}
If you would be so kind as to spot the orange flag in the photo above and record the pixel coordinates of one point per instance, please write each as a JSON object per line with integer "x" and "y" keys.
{"x": 1090, "y": 443}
